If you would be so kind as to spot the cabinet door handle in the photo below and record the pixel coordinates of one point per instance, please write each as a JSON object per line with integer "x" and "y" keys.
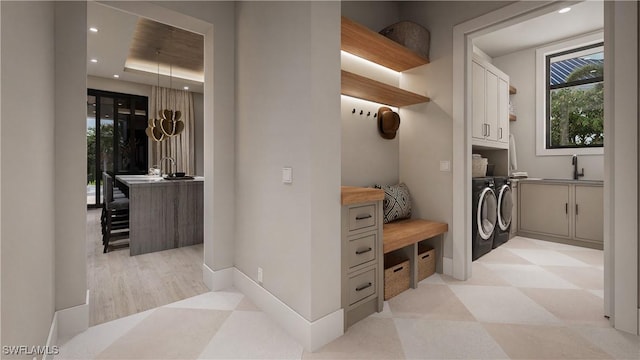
{"x": 500, "y": 132}
{"x": 362, "y": 217}
{"x": 488, "y": 129}
{"x": 362, "y": 287}
{"x": 576, "y": 209}
{"x": 566, "y": 208}
{"x": 360, "y": 252}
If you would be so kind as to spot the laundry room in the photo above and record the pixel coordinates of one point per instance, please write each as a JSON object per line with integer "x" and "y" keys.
{"x": 548, "y": 74}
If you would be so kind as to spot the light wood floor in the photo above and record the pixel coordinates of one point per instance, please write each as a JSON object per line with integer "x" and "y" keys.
{"x": 122, "y": 285}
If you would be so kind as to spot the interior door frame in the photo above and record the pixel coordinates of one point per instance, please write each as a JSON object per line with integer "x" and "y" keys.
{"x": 621, "y": 251}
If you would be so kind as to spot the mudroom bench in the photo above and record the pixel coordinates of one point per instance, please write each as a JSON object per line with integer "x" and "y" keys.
{"x": 410, "y": 253}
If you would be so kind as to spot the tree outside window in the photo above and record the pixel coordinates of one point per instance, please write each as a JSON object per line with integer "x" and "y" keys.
{"x": 575, "y": 98}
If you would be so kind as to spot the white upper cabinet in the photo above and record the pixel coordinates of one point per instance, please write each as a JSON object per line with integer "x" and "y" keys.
{"x": 490, "y": 105}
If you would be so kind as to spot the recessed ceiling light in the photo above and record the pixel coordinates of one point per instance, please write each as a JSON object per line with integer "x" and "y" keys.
{"x": 186, "y": 88}
{"x": 116, "y": 76}
{"x": 94, "y": 60}
{"x": 564, "y": 10}
{"x": 93, "y": 29}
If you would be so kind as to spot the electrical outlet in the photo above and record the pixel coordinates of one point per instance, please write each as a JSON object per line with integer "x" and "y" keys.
{"x": 260, "y": 275}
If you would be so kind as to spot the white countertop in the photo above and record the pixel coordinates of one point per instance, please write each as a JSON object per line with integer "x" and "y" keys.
{"x": 133, "y": 180}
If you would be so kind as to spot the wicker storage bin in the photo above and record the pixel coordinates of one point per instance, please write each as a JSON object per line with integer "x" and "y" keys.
{"x": 426, "y": 264}
{"x": 479, "y": 167}
{"x": 396, "y": 279}
{"x": 410, "y": 35}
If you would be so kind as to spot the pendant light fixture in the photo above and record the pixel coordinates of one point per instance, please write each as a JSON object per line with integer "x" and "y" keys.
{"x": 154, "y": 130}
{"x": 169, "y": 122}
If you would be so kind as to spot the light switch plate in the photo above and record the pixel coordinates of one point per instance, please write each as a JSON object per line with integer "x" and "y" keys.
{"x": 287, "y": 175}
{"x": 445, "y": 165}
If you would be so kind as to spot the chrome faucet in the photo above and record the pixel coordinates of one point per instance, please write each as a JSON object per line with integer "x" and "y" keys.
{"x": 173, "y": 162}
{"x": 574, "y": 162}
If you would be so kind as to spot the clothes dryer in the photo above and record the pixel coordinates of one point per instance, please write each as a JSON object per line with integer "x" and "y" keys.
{"x": 484, "y": 219}
{"x": 504, "y": 210}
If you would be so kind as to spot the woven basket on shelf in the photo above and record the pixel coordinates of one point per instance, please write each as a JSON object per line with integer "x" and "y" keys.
{"x": 396, "y": 279}
{"x": 426, "y": 264}
{"x": 410, "y": 35}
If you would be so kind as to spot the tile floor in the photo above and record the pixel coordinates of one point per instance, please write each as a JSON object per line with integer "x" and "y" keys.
{"x": 528, "y": 299}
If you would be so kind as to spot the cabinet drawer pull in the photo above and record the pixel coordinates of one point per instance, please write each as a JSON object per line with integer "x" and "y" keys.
{"x": 362, "y": 287}
{"x": 425, "y": 256}
{"x": 362, "y": 217}
{"x": 360, "y": 252}
{"x": 398, "y": 269}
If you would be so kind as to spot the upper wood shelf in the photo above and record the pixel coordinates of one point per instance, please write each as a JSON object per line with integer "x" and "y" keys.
{"x": 372, "y": 90}
{"x": 367, "y": 44}
{"x": 512, "y": 90}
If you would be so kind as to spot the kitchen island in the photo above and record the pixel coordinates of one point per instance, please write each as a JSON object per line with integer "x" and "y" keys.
{"x": 163, "y": 214}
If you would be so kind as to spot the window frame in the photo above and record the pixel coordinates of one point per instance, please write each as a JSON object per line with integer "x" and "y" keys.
{"x": 542, "y": 92}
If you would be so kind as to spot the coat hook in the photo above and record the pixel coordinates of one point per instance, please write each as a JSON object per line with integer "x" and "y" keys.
{"x": 353, "y": 111}
{"x": 375, "y": 115}
{"x": 369, "y": 113}
{"x": 361, "y": 112}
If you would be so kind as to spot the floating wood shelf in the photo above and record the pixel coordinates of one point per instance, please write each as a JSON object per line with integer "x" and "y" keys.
{"x": 512, "y": 117}
{"x": 512, "y": 90}
{"x": 372, "y": 90}
{"x": 367, "y": 44}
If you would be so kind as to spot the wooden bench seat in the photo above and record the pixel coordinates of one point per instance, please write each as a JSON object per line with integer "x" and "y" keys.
{"x": 399, "y": 234}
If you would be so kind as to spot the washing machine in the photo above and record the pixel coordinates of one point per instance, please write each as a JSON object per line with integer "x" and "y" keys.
{"x": 485, "y": 205}
{"x": 504, "y": 210}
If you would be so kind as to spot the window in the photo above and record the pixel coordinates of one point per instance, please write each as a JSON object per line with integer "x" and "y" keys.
{"x": 570, "y": 97}
{"x": 575, "y": 98}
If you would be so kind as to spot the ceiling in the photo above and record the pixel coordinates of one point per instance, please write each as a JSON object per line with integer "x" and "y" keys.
{"x": 127, "y": 46}
{"x": 132, "y": 47}
{"x": 584, "y": 17}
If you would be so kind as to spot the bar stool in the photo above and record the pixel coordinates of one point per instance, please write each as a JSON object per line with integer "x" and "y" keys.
{"x": 116, "y": 216}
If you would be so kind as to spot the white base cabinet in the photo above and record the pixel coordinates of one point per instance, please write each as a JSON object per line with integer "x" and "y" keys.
{"x": 561, "y": 211}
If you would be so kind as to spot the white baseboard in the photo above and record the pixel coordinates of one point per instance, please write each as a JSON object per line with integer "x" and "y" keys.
{"x": 52, "y": 339}
{"x": 217, "y": 280}
{"x": 312, "y": 335}
{"x": 73, "y": 320}
{"x": 447, "y": 266}
{"x": 67, "y": 323}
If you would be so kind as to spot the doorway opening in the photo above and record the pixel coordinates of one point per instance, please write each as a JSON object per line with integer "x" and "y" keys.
{"x": 130, "y": 69}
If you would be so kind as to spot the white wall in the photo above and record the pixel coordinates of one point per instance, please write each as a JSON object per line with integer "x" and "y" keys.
{"x": 28, "y": 168}
{"x": 367, "y": 158}
{"x": 520, "y": 66}
{"x": 427, "y": 129}
{"x": 288, "y": 115}
{"x": 70, "y": 154}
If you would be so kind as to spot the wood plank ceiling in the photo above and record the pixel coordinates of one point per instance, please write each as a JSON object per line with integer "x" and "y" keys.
{"x": 179, "y": 48}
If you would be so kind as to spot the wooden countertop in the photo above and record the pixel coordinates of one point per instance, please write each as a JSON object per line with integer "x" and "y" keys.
{"x": 356, "y": 195}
